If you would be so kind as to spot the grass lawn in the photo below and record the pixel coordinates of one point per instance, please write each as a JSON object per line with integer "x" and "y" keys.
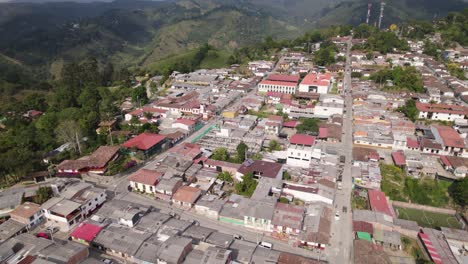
{"x": 428, "y": 219}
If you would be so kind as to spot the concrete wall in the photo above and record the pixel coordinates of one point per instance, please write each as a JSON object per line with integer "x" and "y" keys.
{"x": 424, "y": 208}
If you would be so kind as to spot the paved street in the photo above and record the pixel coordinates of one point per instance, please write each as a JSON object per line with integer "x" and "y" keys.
{"x": 340, "y": 250}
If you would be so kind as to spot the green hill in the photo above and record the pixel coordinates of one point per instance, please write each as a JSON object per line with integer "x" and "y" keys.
{"x": 134, "y": 33}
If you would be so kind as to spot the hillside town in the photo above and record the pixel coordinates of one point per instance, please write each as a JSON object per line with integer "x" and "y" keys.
{"x": 276, "y": 161}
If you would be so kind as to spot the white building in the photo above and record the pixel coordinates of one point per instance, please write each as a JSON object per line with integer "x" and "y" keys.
{"x": 316, "y": 83}
{"x": 300, "y": 150}
{"x": 279, "y": 83}
{"x": 442, "y": 112}
{"x": 326, "y": 110}
{"x": 62, "y": 213}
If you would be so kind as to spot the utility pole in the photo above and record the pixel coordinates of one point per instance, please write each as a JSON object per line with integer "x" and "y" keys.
{"x": 369, "y": 6}
{"x": 382, "y": 7}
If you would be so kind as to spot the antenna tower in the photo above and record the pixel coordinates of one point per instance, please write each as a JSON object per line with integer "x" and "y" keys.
{"x": 369, "y": 6}
{"x": 382, "y": 7}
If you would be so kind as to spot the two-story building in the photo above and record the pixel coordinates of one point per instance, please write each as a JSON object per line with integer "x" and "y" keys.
{"x": 29, "y": 214}
{"x": 300, "y": 150}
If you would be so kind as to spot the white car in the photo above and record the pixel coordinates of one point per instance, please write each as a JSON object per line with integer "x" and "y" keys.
{"x": 266, "y": 245}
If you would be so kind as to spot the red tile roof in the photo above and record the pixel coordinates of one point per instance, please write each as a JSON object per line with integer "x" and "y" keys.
{"x": 450, "y": 137}
{"x": 291, "y": 124}
{"x": 145, "y": 176}
{"x": 185, "y": 121}
{"x": 323, "y": 132}
{"x": 301, "y": 139}
{"x": 279, "y": 83}
{"x": 187, "y": 194}
{"x": 264, "y": 168}
{"x": 321, "y": 79}
{"x": 284, "y": 78}
{"x": 275, "y": 118}
{"x": 445, "y": 161}
{"x": 144, "y": 141}
{"x": 187, "y": 150}
{"x": 378, "y": 203}
{"x": 361, "y": 226}
{"x": 86, "y": 232}
{"x": 411, "y": 143}
{"x": 442, "y": 108}
{"x": 399, "y": 158}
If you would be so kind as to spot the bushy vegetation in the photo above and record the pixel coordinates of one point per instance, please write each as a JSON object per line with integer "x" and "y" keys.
{"x": 400, "y": 187}
{"x": 308, "y": 125}
{"x": 247, "y": 186}
{"x": 403, "y": 78}
{"x": 225, "y": 176}
{"x": 381, "y": 41}
{"x": 326, "y": 54}
{"x": 459, "y": 192}
{"x": 410, "y": 110}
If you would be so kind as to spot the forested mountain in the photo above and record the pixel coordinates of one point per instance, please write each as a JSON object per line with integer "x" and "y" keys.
{"x": 41, "y": 38}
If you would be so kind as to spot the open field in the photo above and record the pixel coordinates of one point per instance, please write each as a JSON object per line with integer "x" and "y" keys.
{"x": 428, "y": 219}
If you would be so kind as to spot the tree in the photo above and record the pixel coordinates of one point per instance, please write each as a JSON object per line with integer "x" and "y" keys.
{"x": 225, "y": 176}
{"x": 257, "y": 156}
{"x": 286, "y": 176}
{"x": 139, "y": 95}
{"x": 410, "y": 110}
{"x": 220, "y": 154}
{"x": 274, "y": 145}
{"x": 308, "y": 125}
{"x": 247, "y": 186}
{"x": 69, "y": 131}
{"x": 241, "y": 152}
{"x": 459, "y": 192}
{"x": 42, "y": 195}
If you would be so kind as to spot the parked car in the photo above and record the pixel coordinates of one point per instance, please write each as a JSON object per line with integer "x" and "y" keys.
{"x": 266, "y": 245}
{"x": 43, "y": 235}
{"x": 337, "y": 215}
{"x": 238, "y": 237}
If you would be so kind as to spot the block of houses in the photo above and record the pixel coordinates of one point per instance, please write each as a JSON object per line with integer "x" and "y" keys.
{"x": 443, "y": 112}
{"x": 316, "y": 82}
{"x": 145, "y": 180}
{"x": 449, "y": 139}
{"x": 300, "y": 150}
{"x": 210, "y": 206}
{"x": 120, "y": 241}
{"x": 457, "y": 165}
{"x": 288, "y": 219}
{"x": 273, "y": 125}
{"x": 185, "y": 124}
{"x": 95, "y": 163}
{"x": 148, "y": 143}
{"x": 29, "y": 214}
{"x": 62, "y": 213}
{"x": 260, "y": 169}
{"x": 317, "y": 227}
{"x": 186, "y": 196}
{"x": 258, "y": 214}
{"x": 167, "y": 187}
{"x": 279, "y": 83}
{"x": 90, "y": 197}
